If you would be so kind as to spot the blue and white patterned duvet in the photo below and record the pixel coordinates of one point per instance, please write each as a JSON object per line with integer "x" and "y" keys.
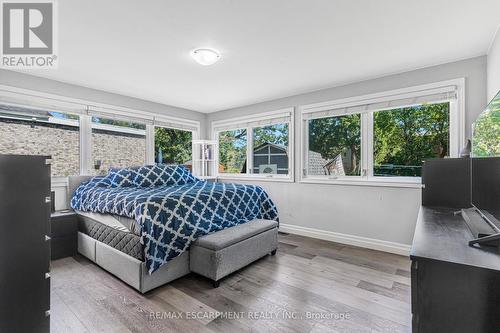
{"x": 172, "y": 216}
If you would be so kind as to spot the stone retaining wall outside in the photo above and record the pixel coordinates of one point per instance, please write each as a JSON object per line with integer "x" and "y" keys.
{"x": 62, "y": 142}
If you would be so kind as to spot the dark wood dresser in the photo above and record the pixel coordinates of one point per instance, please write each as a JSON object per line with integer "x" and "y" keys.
{"x": 455, "y": 287}
{"x": 25, "y": 243}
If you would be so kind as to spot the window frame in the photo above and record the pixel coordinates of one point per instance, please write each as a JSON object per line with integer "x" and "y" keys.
{"x": 116, "y": 129}
{"x": 195, "y": 135}
{"x": 56, "y": 181}
{"x": 305, "y": 146}
{"x": 457, "y": 132}
{"x": 85, "y": 109}
{"x": 247, "y": 154}
{"x": 234, "y": 124}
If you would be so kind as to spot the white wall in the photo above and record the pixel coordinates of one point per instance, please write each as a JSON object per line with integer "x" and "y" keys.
{"x": 493, "y": 68}
{"x": 381, "y": 214}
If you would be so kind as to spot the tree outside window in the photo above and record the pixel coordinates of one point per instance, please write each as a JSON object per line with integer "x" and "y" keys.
{"x": 486, "y": 137}
{"x": 405, "y": 137}
{"x": 173, "y": 146}
{"x": 335, "y": 146}
{"x": 233, "y": 151}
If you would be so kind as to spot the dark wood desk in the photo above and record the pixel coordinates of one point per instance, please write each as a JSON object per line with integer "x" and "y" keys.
{"x": 455, "y": 288}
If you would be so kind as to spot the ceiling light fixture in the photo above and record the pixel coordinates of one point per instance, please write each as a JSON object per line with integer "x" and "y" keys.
{"x": 205, "y": 57}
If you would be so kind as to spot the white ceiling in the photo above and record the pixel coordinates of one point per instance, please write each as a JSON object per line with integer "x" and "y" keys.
{"x": 270, "y": 48}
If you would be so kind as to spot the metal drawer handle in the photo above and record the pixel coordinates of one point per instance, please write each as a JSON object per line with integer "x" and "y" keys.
{"x": 47, "y": 313}
{"x": 47, "y": 199}
{"x": 47, "y": 275}
{"x": 47, "y": 238}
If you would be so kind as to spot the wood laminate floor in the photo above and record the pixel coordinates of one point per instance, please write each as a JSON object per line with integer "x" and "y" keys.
{"x": 309, "y": 286}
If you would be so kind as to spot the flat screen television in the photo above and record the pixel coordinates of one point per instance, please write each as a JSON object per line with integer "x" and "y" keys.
{"x": 485, "y": 163}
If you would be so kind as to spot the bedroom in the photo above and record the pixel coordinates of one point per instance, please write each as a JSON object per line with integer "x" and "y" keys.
{"x": 249, "y": 166}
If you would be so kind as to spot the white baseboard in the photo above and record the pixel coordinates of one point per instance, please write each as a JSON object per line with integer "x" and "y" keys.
{"x": 369, "y": 243}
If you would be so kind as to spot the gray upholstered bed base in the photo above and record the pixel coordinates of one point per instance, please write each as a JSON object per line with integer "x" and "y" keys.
{"x": 130, "y": 270}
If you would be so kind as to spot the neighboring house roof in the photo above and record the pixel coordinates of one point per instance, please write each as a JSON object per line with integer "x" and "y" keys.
{"x": 280, "y": 147}
{"x": 317, "y": 165}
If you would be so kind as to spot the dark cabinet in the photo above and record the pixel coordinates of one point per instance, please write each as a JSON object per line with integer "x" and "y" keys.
{"x": 25, "y": 243}
{"x": 455, "y": 287}
{"x": 64, "y": 225}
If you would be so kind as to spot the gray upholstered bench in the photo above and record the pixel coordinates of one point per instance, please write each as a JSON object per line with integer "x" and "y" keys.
{"x": 221, "y": 253}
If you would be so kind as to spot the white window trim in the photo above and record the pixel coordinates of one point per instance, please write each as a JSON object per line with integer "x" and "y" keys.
{"x": 457, "y": 134}
{"x": 85, "y": 108}
{"x": 85, "y": 144}
{"x": 233, "y": 123}
{"x": 57, "y": 182}
{"x": 150, "y": 144}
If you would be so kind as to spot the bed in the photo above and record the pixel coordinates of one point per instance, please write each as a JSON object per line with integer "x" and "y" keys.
{"x": 138, "y": 223}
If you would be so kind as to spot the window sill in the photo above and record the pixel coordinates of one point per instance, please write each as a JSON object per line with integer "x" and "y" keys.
{"x": 255, "y": 178}
{"x": 377, "y": 182}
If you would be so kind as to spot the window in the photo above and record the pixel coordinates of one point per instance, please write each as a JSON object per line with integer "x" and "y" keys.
{"x": 486, "y": 131}
{"x": 270, "y": 152}
{"x": 382, "y": 137}
{"x": 256, "y": 146}
{"x": 26, "y": 131}
{"x": 233, "y": 151}
{"x": 405, "y": 137}
{"x": 173, "y": 146}
{"x": 117, "y": 143}
{"x": 88, "y": 138}
{"x": 335, "y": 146}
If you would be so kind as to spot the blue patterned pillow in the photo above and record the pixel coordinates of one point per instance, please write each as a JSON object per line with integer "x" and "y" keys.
{"x": 161, "y": 174}
{"x": 122, "y": 177}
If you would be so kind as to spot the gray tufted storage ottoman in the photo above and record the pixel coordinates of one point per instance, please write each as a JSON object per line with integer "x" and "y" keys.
{"x": 221, "y": 253}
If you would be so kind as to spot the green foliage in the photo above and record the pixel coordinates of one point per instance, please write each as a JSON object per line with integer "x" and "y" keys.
{"x": 334, "y": 135}
{"x": 404, "y": 137}
{"x": 275, "y": 134}
{"x": 486, "y": 138}
{"x": 175, "y": 144}
{"x": 232, "y": 150}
